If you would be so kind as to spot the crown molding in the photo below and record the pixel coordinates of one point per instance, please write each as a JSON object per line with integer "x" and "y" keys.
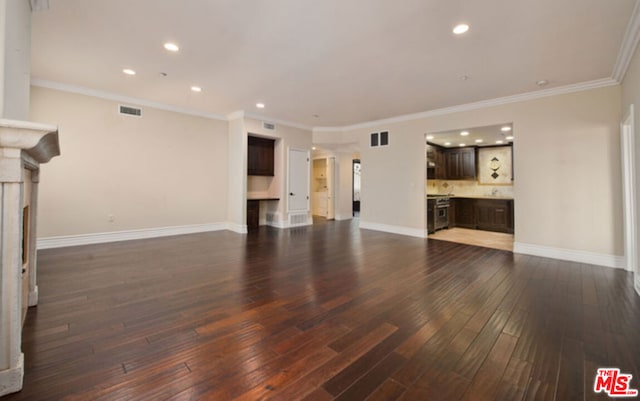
{"x": 629, "y": 45}
{"x": 235, "y": 115}
{"x": 80, "y": 90}
{"x": 276, "y": 121}
{"x": 560, "y": 90}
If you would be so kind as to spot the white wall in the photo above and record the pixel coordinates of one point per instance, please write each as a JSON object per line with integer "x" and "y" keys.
{"x": 162, "y": 170}
{"x": 631, "y": 96}
{"x": 344, "y": 186}
{"x": 567, "y": 169}
{"x": 237, "y": 171}
{"x": 15, "y": 58}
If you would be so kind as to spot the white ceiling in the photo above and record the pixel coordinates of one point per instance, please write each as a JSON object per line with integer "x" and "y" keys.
{"x": 346, "y": 61}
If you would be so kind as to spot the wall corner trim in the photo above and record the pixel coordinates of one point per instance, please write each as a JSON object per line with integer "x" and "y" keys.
{"x": 115, "y": 236}
{"x": 401, "y": 230}
{"x": 592, "y": 258}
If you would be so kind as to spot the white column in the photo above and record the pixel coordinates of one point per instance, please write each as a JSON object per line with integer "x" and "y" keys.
{"x": 11, "y": 357}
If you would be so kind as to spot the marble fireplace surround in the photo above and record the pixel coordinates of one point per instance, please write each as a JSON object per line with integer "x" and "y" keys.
{"x": 23, "y": 146}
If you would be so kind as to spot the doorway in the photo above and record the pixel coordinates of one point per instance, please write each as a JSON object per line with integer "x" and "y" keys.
{"x": 627, "y": 134}
{"x": 469, "y": 180}
{"x": 355, "y": 194}
{"x": 324, "y": 188}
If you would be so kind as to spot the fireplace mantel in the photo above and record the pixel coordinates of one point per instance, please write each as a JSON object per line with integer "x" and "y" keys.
{"x": 23, "y": 147}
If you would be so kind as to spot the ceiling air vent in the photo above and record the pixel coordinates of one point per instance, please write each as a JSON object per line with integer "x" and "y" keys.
{"x": 130, "y": 111}
{"x": 269, "y": 126}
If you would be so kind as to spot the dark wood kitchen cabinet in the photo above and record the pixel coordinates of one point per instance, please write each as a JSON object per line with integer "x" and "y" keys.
{"x": 260, "y": 156}
{"x": 461, "y": 163}
{"x": 463, "y": 214}
{"x": 436, "y": 163}
{"x": 494, "y": 215}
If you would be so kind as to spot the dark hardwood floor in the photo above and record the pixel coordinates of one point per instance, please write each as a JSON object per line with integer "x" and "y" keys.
{"x": 322, "y": 313}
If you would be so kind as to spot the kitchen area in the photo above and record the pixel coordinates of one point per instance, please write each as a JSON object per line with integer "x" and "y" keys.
{"x": 469, "y": 186}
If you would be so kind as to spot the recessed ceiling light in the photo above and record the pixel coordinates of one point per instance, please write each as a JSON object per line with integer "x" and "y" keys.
{"x": 510, "y": 138}
{"x": 542, "y": 82}
{"x": 429, "y": 137}
{"x": 313, "y": 148}
{"x": 196, "y": 89}
{"x": 499, "y": 142}
{"x": 447, "y": 144}
{"x": 464, "y": 133}
{"x": 172, "y": 47}
{"x": 479, "y": 141}
{"x": 460, "y": 29}
{"x": 129, "y": 71}
{"x": 260, "y": 105}
{"x": 506, "y": 128}
{"x": 462, "y": 144}
{"x": 464, "y": 77}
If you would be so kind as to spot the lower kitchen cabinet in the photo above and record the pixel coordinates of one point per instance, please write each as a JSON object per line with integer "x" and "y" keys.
{"x": 494, "y": 215}
{"x": 482, "y": 214}
{"x": 463, "y": 214}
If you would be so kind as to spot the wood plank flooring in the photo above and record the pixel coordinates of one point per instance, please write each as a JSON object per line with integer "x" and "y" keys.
{"x": 328, "y": 312}
{"x": 487, "y": 239}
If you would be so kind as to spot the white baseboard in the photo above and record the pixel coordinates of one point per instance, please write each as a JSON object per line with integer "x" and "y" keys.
{"x": 571, "y": 255}
{"x": 100, "y": 238}
{"x": 236, "y": 228}
{"x": 637, "y": 284}
{"x": 412, "y": 232}
{"x": 340, "y": 217}
{"x": 277, "y": 224}
{"x": 11, "y": 379}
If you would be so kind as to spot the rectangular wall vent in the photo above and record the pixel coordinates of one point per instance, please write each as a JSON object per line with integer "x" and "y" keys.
{"x": 269, "y": 126}
{"x": 379, "y": 139}
{"x": 297, "y": 219}
{"x": 130, "y": 111}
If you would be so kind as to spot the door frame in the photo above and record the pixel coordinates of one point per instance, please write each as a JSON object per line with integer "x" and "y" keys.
{"x": 331, "y": 187}
{"x": 627, "y": 140}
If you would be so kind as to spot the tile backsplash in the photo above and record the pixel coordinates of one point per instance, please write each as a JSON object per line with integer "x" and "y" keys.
{"x": 468, "y": 188}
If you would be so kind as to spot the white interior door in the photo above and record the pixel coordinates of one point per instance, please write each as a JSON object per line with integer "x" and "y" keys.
{"x": 331, "y": 188}
{"x": 298, "y": 181}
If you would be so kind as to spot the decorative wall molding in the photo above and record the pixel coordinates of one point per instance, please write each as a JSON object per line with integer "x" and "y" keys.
{"x": 628, "y": 46}
{"x": 80, "y": 90}
{"x": 100, "y": 238}
{"x": 539, "y": 94}
{"x": 401, "y": 230}
{"x": 599, "y": 259}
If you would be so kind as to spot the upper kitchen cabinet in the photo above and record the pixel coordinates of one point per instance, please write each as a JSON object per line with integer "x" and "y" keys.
{"x": 260, "y": 156}
{"x": 436, "y": 168}
{"x": 461, "y": 163}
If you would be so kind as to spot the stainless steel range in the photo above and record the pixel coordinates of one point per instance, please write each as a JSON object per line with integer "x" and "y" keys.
{"x": 437, "y": 212}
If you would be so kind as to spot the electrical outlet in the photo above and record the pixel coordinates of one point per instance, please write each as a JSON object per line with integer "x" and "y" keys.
{"x": 111, "y": 218}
